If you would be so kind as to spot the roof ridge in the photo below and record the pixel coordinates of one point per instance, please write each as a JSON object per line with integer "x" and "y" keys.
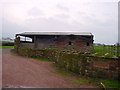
{"x": 55, "y": 33}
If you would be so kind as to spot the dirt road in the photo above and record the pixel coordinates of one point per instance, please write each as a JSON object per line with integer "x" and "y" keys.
{"x": 23, "y": 72}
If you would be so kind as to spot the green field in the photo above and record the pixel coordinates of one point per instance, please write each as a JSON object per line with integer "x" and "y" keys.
{"x": 107, "y": 50}
{"x": 6, "y": 47}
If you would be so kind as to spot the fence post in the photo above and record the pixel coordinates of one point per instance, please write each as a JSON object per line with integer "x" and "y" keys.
{"x": 109, "y": 49}
{"x": 114, "y": 49}
{"x": 103, "y": 49}
{"x": 17, "y": 43}
{"x": 117, "y": 49}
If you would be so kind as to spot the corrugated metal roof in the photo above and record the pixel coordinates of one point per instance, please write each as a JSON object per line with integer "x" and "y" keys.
{"x": 56, "y": 33}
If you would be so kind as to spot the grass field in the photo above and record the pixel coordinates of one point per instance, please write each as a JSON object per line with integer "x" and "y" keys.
{"x": 109, "y": 50}
{"x": 6, "y": 47}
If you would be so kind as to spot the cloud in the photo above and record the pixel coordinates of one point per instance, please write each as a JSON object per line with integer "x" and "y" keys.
{"x": 62, "y": 7}
{"x": 9, "y": 29}
{"x": 63, "y": 16}
{"x": 35, "y": 11}
{"x": 49, "y": 24}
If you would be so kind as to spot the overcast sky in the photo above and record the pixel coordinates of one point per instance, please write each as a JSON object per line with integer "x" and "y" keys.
{"x": 100, "y": 17}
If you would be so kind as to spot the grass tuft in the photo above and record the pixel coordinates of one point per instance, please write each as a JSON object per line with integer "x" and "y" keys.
{"x": 111, "y": 84}
{"x": 42, "y": 59}
{"x": 85, "y": 80}
{"x": 81, "y": 80}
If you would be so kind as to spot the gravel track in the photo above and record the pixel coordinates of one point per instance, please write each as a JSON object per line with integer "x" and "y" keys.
{"x": 24, "y": 72}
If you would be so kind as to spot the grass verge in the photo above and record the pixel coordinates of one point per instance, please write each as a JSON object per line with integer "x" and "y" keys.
{"x": 89, "y": 81}
{"x": 75, "y": 78}
{"x": 6, "y": 47}
{"x": 42, "y": 59}
{"x": 111, "y": 84}
{"x": 107, "y": 83}
{"x": 62, "y": 72}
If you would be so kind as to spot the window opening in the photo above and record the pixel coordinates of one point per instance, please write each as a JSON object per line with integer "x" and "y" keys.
{"x": 69, "y": 43}
{"x": 88, "y": 44}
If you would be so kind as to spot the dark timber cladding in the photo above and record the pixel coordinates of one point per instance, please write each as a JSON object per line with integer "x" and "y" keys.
{"x": 78, "y": 41}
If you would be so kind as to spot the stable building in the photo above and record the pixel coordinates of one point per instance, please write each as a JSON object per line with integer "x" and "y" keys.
{"x": 77, "y": 41}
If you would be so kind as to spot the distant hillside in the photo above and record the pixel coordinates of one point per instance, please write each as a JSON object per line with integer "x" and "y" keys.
{"x": 6, "y": 42}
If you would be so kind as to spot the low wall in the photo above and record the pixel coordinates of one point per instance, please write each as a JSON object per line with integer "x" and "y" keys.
{"x": 27, "y": 45}
{"x": 83, "y": 64}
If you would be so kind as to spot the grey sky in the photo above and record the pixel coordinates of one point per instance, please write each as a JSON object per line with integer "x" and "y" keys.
{"x": 98, "y": 17}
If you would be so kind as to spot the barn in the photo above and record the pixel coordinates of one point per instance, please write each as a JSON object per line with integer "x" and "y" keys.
{"x": 77, "y": 41}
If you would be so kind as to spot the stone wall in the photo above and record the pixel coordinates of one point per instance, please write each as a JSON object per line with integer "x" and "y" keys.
{"x": 53, "y": 46}
{"x": 27, "y": 45}
{"x": 84, "y": 64}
